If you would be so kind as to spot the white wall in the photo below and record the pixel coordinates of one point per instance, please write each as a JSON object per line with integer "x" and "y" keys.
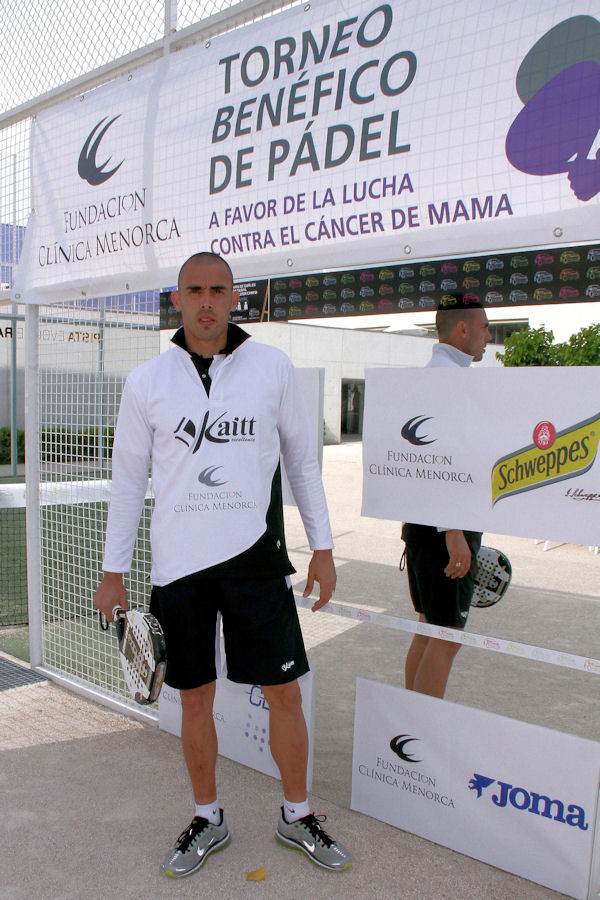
{"x": 345, "y": 353}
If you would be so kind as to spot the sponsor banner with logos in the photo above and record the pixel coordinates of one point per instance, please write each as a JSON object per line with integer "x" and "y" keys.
{"x": 514, "y": 795}
{"x": 507, "y": 451}
{"x": 241, "y": 716}
{"x": 322, "y": 137}
{"x": 554, "y": 275}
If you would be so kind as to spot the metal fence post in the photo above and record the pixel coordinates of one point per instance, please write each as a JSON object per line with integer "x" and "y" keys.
{"x": 32, "y": 484}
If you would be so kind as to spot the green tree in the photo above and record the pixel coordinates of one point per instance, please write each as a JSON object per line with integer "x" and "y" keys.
{"x": 535, "y": 347}
{"x": 582, "y": 349}
{"x": 530, "y": 347}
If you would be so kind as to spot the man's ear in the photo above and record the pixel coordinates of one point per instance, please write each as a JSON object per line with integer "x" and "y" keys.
{"x": 235, "y": 300}
{"x": 462, "y": 327}
{"x": 174, "y": 298}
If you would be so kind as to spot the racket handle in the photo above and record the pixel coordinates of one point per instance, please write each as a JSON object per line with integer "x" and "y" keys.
{"x": 117, "y": 613}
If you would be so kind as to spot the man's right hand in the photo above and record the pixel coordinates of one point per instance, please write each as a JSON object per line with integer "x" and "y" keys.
{"x": 110, "y": 593}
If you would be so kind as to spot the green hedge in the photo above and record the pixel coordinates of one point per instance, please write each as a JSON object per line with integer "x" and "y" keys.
{"x": 60, "y": 444}
{"x": 64, "y": 444}
{"x": 5, "y": 446}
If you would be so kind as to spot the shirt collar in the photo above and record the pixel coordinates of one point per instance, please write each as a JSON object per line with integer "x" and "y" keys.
{"x": 457, "y": 356}
{"x": 235, "y": 337}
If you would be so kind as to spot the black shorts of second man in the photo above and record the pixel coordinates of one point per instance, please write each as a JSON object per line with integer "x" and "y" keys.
{"x": 442, "y": 600}
{"x": 262, "y": 635}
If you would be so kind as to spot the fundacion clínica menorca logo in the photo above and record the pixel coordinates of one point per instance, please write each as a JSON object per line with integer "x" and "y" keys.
{"x": 409, "y": 431}
{"x": 398, "y": 743}
{"x": 206, "y": 476}
{"x": 87, "y": 167}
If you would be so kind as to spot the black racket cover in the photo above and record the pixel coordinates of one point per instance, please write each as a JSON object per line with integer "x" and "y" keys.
{"x": 493, "y": 577}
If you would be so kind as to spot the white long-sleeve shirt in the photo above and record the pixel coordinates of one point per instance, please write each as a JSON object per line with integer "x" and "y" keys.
{"x": 448, "y": 357}
{"x": 213, "y": 459}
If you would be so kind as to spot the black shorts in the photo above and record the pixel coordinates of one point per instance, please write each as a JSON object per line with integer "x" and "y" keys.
{"x": 263, "y": 640}
{"x": 442, "y": 600}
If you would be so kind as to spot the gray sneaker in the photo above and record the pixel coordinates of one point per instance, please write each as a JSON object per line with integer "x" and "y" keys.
{"x": 193, "y": 846}
{"x": 308, "y": 836}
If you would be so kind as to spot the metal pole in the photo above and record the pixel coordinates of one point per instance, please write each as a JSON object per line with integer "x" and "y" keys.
{"x": 170, "y": 19}
{"x": 102, "y": 445}
{"x": 13, "y": 348}
{"x": 13, "y": 395}
{"x": 32, "y": 484}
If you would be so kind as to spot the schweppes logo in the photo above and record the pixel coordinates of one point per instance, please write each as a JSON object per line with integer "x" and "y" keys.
{"x": 551, "y": 457}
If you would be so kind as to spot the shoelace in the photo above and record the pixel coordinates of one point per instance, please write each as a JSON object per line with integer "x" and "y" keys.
{"x": 188, "y": 834}
{"x": 313, "y": 823}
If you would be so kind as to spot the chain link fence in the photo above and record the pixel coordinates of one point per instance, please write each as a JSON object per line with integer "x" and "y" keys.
{"x": 48, "y": 43}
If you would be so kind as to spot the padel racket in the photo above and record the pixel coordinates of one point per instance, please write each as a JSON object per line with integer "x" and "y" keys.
{"x": 493, "y": 577}
{"x": 141, "y": 650}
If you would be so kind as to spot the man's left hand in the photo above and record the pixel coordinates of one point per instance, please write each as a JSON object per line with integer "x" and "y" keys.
{"x": 322, "y": 569}
{"x": 459, "y": 554}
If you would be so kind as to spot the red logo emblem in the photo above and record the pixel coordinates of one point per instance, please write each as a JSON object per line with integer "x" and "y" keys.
{"x": 543, "y": 435}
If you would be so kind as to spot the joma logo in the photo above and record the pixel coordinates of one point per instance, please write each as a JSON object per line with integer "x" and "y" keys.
{"x": 530, "y": 801}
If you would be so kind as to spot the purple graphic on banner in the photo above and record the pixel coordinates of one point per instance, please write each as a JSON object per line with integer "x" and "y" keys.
{"x": 559, "y": 83}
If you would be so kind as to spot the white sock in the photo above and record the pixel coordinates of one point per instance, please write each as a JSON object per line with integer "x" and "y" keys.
{"x": 209, "y": 811}
{"x": 294, "y": 811}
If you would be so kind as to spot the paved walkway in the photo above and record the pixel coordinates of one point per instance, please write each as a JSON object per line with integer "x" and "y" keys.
{"x": 90, "y": 801}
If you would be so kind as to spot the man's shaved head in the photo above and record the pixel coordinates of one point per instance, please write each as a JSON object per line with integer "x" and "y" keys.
{"x": 446, "y": 319}
{"x": 204, "y": 256}
{"x": 464, "y": 327}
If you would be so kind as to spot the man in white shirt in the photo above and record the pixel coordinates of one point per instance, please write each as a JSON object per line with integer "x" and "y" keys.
{"x": 441, "y": 562}
{"x": 212, "y": 416}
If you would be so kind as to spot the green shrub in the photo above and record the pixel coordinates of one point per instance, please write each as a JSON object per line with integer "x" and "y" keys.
{"x": 64, "y": 444}
{"x": 60, "y": 444}
{"x": 5, "y": 446}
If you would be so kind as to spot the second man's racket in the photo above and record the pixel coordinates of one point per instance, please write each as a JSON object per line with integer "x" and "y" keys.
{"x": 493, "y": 577}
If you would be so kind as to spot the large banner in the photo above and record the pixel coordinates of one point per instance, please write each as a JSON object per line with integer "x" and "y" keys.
{"x": 508, "y": 451}
{"x": 518, "y": 796}
{"x": 324, "y": 136}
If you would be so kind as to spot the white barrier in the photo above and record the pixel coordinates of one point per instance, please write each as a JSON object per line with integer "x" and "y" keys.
{"x": 519, "y": 458}
{"x": 518, "y": 796}
{"x": 482, "y": 641}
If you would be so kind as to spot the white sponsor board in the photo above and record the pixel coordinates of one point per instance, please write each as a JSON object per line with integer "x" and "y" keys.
{"x": 241, "y": 716}
{"x": 324, "y": 135}
{"x": 508, "y": 451}
{"x": 518, "y": 796}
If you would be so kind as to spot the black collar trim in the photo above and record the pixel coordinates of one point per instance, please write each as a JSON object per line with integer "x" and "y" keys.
{"x": 235, "y": 337}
